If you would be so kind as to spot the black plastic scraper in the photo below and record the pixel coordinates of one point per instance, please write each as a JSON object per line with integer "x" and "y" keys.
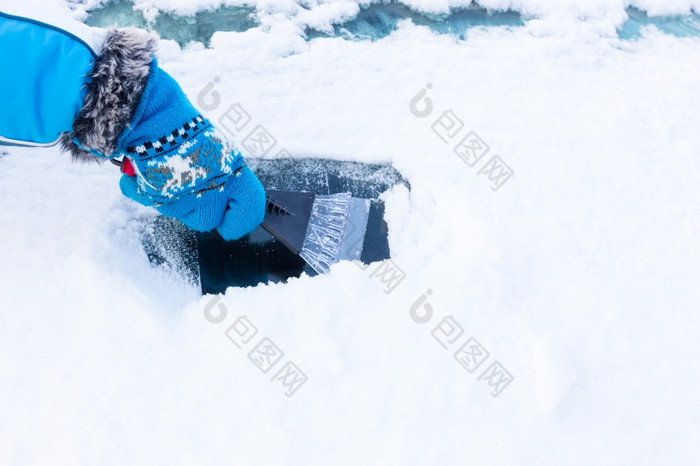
{"x": 287, "y": 216}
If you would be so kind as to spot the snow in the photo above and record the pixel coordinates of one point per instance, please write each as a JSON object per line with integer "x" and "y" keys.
{"x": 322, "y": 14}
{"x": 578, "y": 275}
{"x": 316, "y": 10}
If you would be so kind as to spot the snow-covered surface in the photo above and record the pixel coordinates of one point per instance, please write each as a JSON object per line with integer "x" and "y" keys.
{"x": 579, "y": 275}
{"x": 318, "y": 10}
{"x": 323, "y": 14}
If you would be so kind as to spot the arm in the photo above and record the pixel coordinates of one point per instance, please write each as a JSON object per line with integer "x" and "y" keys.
{"x": 120, "y": 103}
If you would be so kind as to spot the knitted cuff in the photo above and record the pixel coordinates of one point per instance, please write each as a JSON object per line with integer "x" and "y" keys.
{"x": 114, "y": 88}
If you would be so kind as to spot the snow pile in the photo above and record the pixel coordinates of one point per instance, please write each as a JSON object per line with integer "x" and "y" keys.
{"x": 323, "y": 13}
{"x": 577, "y": 274}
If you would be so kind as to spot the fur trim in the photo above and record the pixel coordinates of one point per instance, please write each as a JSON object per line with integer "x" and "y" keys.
{"x": 117, "y": 81}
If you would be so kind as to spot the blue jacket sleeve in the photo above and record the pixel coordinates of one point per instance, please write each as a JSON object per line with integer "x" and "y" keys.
{"x": 42, "y": 83}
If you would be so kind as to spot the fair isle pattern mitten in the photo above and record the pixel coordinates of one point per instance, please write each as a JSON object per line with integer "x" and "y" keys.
{"x": 183, "y": 166}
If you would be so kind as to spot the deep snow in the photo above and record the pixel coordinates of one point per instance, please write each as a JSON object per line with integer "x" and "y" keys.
{"x": 579, "y": 275}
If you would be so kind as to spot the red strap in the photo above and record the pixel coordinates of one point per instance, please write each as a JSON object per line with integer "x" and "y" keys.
{"x": 128, "y": 168}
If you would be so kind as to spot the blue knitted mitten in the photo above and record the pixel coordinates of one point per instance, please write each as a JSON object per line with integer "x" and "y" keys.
{"x": 183, "y": 166}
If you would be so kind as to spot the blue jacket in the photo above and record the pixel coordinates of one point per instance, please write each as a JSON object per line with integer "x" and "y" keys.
{"x": 40, "y": 95}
